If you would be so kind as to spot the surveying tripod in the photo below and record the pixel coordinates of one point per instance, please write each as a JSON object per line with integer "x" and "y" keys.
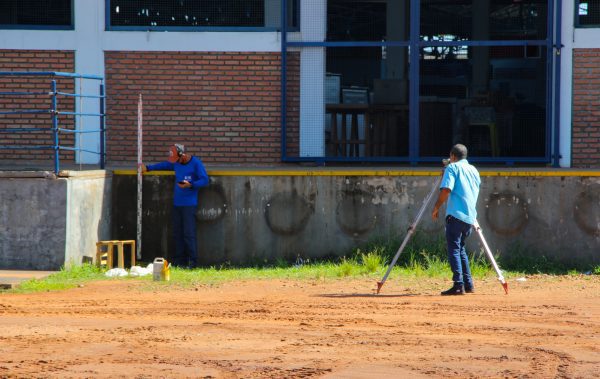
{"x": 413, "y": 226}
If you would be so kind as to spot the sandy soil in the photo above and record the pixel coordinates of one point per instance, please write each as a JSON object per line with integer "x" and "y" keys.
{"x": 547, "y": 327}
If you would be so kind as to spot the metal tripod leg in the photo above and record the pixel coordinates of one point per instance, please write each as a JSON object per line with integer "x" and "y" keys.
{"x": 411, "y": 230}
{"x": 491, "y": 257}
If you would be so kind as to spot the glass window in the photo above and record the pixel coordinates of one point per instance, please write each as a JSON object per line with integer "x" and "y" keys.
{"x": 24, "y": 14}
{"x": 493, "y": 99}
{"x": 200, "y": 13}
{"x": 464, "y": 20}
{"x": 587, "y": 13}
{"x": 366, "y": 101}
{"x": 367, "y": 20}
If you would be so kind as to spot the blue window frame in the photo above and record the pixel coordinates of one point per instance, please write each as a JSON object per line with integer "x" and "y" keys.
{"x": 199, "y": 15}
{"x": 36, "y": 14}
{"x": 517, "y": 46}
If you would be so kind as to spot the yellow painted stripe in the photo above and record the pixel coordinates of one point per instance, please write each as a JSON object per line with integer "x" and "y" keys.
{"x": 549, "y": 173}
{"x": 558, "y": 173}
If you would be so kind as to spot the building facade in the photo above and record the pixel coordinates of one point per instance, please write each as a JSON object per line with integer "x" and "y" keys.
{"x": 517, "y": 81}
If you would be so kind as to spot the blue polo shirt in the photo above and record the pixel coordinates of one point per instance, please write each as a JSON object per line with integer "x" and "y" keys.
{"x": 193, "y": 172}
{"x": 462, "y": 179}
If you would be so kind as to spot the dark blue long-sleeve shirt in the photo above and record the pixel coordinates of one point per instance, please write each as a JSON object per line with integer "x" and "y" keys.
{"x": 193, "y": 171}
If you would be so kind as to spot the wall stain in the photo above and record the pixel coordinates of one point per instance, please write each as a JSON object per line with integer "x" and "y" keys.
{"x": 586, "y": 211}
{"x": 506, "y": 213}
{"x": 212, "y": 204}
{"x": 287, "y": 213}
{"x": 356, "y": 213}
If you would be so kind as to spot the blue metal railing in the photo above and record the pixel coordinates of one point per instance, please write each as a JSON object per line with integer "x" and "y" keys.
{"x": 54, "y": 112}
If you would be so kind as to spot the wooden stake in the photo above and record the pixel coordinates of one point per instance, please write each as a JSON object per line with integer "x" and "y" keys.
{"x": 139, "y": 180}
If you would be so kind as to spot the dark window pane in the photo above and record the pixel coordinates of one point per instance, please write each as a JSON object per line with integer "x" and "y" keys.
{"x": 492, "y": 99}
{"x": 588, "y": 12}
{"x": 367, "y": 20}
{"x": 36, "y": 12}
{"x": 366, "y": 101}
{"x": 457, "y": 20}
{"x": 201, "y": 13}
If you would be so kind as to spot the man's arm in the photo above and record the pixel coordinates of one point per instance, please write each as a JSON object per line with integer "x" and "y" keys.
{"x": 202, "y": 176}
{"x": 162, "y": 166}
{"x": 442, "y": 197}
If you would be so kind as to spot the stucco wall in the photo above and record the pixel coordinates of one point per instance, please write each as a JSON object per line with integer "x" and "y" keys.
{"x": 48, "y": 221}
{"x": 88, "y": 213}
{"x": 249, "y": 219}
{"x": 32, "y": 228}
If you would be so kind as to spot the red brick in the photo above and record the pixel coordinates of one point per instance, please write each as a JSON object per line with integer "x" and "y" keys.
{"x": 210, "y": 101}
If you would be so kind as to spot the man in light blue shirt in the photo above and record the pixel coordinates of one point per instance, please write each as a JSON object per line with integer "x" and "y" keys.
{"x": 460, "y": 187}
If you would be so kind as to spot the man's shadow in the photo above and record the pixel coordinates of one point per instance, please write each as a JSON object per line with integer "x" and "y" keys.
{"x": 368, "y": 295}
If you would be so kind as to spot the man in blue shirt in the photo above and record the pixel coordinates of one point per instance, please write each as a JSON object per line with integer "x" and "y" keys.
{"x": 460, "y": 187}
{"x": 190, "y": 175}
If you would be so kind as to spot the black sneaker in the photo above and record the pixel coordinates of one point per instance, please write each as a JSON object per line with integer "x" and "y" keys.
{"x": 455, "y": 290}
{"x": 469, "y": 290}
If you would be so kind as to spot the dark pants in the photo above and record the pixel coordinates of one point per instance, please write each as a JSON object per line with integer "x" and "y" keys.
{"x": 456, "y": 234}
{"x": 184, "y": 231}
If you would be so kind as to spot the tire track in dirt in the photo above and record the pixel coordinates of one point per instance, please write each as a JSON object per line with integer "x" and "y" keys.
{"x": 303, "y": 329}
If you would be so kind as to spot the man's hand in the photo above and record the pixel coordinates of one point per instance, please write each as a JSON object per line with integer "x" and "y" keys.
{"x": 435, "y": 214}
{"x": 442, "y": 197}
{"x": 144, "y": 168}
{"x": 184, "y": 184}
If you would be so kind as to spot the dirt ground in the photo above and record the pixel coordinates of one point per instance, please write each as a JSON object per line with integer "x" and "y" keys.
{"x": 547, "y": 327}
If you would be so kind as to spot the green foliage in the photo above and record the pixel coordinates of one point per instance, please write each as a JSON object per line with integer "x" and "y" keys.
{"x": 526, "y": 260}
{"x": 281, "y": 263}
{"x": 596, "y": 270}
{"x": 435, "y": 267}
{"x": 480, "y": 265}
{"x": 423, "y": 257}
{"x": 372, "y": 261}
{"x": 347, "y": 267}
{"x": 64, "y": 279}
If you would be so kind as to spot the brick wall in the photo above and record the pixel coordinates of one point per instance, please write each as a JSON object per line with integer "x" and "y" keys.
{"x": 586, "y": 108}
{"x": 225, "y": 107}
{"x": 34, "y": 60}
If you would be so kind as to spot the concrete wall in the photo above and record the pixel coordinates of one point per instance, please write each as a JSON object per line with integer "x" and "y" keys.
{"x": 249, "y": 218}
{"x": 48, "y": 221}
{"x": 88, "y": 213}
{"x": 32, "y": 214}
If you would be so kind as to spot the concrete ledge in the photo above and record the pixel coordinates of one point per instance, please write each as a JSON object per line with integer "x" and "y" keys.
{"x": 248, "y": 216}
{"x": 27, "y": 174}
{"x": 525, "y": 172}
{"x": 90, "y": 174}
{"x": 10, "y": 278}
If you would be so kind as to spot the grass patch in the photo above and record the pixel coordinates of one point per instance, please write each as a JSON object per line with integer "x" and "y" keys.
{"x": 64, "y": 279}
{"x": 346, "y": 267}
{"x": 527, "y": 260}
{"x": 373, "y": 261}
{"x": 421, "y": 258}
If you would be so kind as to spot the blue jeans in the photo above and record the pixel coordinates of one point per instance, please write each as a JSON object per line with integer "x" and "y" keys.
{"x": 184, "y": 232}
{"x": 456, "y": 234}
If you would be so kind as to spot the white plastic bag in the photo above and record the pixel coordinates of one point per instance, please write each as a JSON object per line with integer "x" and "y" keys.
{"x": 140, "y": 271}
{"x": 116, "y": 272}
